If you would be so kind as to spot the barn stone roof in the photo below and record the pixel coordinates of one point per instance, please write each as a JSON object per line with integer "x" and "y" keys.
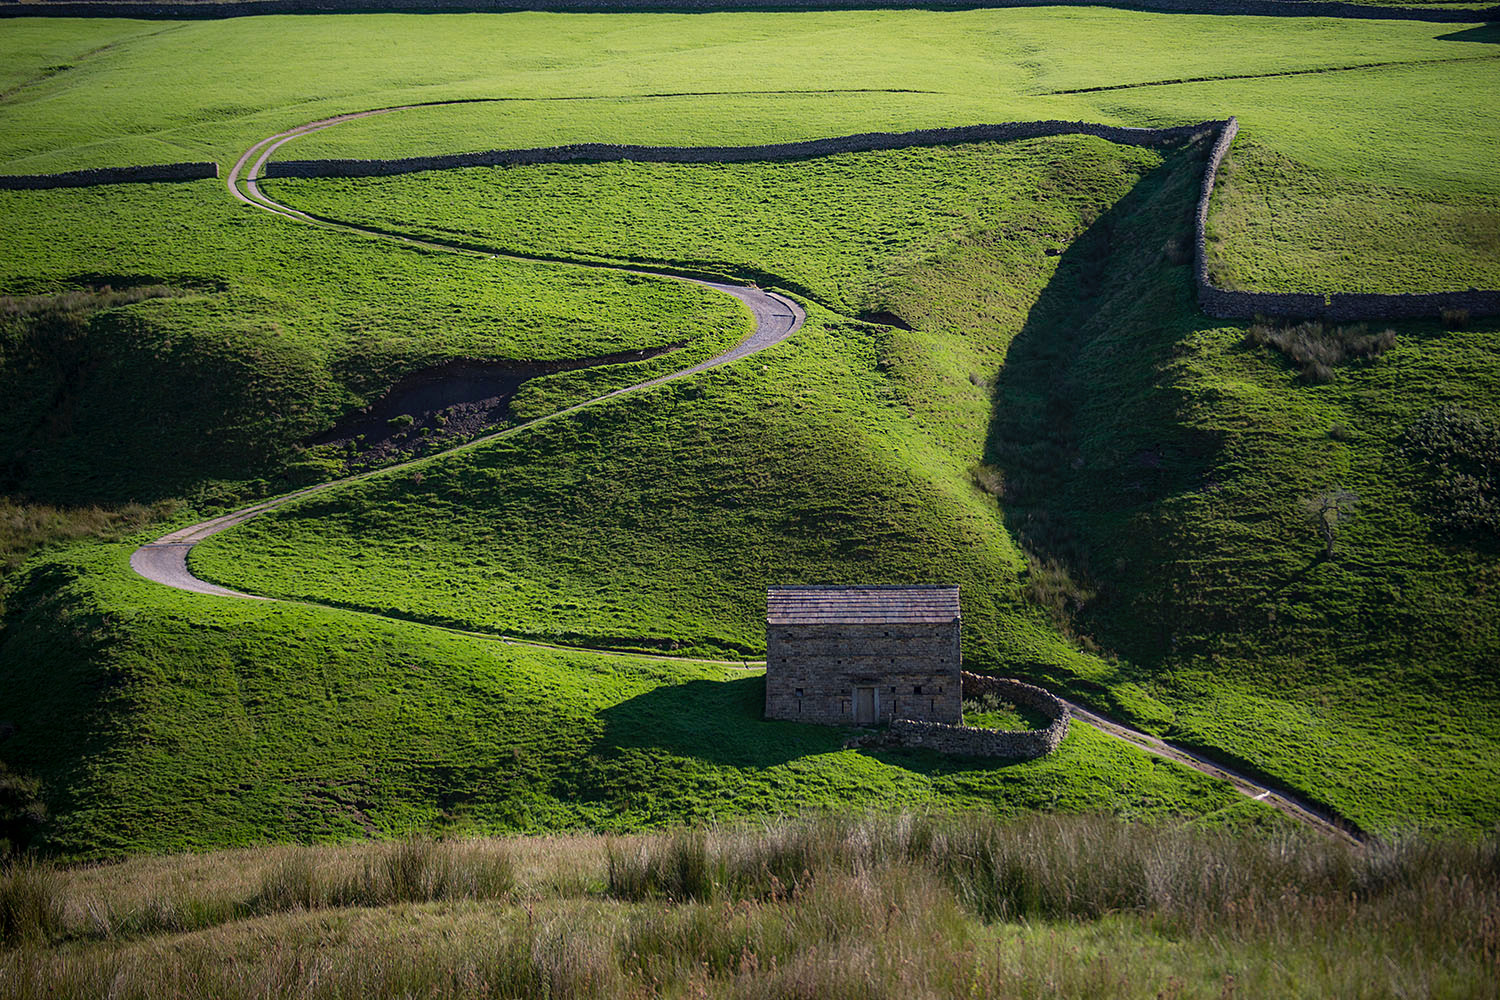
{"x": 830, "y": 605}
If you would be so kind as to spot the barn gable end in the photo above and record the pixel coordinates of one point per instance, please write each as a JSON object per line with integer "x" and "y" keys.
{"x": 848, "y": 656}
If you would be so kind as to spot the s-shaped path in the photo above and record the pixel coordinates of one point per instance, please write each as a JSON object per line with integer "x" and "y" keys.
{"x": 776, "y": 318}
{"x": 165, "y": 560}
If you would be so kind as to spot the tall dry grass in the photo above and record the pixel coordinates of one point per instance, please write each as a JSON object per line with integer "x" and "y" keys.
{"x": 1319, "y": 349}
{"x": 36, "y": 905}
{"x": 896, "y": 906}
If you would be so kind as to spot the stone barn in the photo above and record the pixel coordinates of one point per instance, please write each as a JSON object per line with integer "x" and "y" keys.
{"x": 858, "y": 656}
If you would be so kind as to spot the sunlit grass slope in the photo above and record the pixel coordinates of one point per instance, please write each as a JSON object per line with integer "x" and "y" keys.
{"x": 275, "y": 329}
{"x": 1132, "y": 442}
{"x": 1353, "y": 99}
{"x": 844, "y": 455}
{"x": 163, "y": 721}
{"x": 1169, "y": 465}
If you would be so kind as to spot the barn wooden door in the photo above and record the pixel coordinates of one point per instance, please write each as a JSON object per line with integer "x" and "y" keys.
{"x": 864, "y": 706}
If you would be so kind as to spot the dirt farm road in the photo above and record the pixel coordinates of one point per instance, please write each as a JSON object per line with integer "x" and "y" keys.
{"x": 776, "y": 316}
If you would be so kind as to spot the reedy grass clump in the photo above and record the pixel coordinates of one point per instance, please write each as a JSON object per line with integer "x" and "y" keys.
{"x": 35, "y": 906}
{"x": 1317, "y": 348}
{"x": 30, "y": 903}
{"x": 414, "y": 870}
{"x": 903, "y": 906}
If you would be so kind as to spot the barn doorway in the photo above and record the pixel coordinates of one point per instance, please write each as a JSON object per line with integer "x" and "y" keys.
{"x": 864, "y": 706}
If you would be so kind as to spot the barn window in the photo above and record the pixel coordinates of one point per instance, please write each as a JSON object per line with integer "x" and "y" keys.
{"x": 916, "y": 689}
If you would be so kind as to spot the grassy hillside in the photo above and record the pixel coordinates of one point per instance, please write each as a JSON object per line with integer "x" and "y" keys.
{"x": 1168, "y": 464}
{"x": 1156, "y": 470}
{"x": 1119, "y": 484}
{"x": 260, "y": 333}
{"x": 843, "y": 455}
{"x": 160, "y": 721}
{"x": 917, "y": 905}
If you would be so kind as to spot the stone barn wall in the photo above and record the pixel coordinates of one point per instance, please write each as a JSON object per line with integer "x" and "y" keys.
{"x": 914, "y": 669}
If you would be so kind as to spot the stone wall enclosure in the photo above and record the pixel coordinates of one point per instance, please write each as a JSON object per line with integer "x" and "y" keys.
{"x": 968, "y": 741}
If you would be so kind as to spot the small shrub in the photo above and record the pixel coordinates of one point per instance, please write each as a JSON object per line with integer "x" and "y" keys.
{"x": 22, "y": 812}
{"x": 1460, "y": 451}
{"x": 1318, "y": 349}
{"x": 401, "y": 422}
{"x": 1455, "y": 319}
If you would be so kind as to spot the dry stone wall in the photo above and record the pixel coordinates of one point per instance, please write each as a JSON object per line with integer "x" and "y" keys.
{"x": 969, "y": 741}
{"x": 248, "y": 8}
{"x": 1218, "y": 302}
{"x": 597, "y": 152}
{"x": 150, "y": 173}
{"x": 1336, "y": 307}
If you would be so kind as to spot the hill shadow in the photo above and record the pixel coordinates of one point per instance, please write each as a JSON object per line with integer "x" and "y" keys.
{"x": 1484, "y": 33}
{"x": 716, "y": 721}
{"x": 1085, "y": 430}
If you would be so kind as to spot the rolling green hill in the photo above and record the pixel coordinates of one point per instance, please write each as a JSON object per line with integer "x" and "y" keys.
{"x": 1119, "y": 484}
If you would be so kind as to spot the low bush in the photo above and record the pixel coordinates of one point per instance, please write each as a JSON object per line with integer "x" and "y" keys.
{"x": 1455, "y": 319}
{"x": 1317, "y": 348}
{"x": 1460, "y": 451}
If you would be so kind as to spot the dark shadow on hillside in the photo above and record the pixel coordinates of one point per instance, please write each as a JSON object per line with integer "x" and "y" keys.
{"x": 721, "y": 722}
{"x": 1484, "y": 33}
{"x": 438, "y": 406}
{"x": 60, "y": 696}
{"x": 1085, "y": 430}
{"x": 717, "y": 721}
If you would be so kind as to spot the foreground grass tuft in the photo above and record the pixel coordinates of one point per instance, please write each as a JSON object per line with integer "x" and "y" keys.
{"x": 926, "y": 905}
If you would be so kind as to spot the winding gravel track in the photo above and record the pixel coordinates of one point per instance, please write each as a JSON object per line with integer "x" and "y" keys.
{"x": 165, "y": 560}
{"x": 776, "y": 318}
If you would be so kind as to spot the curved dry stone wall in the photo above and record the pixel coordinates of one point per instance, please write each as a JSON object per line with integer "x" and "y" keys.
{"x": 1336, "y": 307}
{"x": 210, "y": 9}
{"x": 969, "y": 741}
{"x": 148, "y": 174}
{"x": 598, "y": 152}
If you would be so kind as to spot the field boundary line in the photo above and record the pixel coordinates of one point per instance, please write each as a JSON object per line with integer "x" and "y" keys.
{"x": 1353, "y": 67}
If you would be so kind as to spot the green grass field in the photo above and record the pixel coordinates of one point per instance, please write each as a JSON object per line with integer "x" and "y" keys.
{"x": 1239, "y": 643}
{"x": 1116, "y": 481}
